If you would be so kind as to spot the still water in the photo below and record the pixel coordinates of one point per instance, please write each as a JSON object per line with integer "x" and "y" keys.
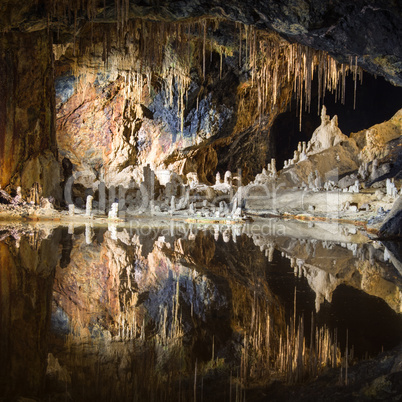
{"x": 169, "y": 312}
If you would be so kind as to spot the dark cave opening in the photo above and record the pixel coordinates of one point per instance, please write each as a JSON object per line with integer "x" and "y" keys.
{"x": 376, "y": 101}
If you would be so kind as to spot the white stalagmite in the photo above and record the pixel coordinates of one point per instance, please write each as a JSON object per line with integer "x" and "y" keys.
{"x": 114, "y": 210}
{"x": 89, "y": 205}
{"x": 228, "y": 178}
{"x": 326, "y": 135}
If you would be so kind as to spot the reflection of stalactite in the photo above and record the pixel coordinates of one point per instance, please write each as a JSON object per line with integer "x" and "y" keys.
{"x": 263, "y": 352}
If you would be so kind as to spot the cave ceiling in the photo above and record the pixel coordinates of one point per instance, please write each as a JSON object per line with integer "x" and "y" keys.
{"x": 366, "y": 29}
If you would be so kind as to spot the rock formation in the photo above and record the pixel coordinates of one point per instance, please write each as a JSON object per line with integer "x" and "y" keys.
{"x": 203, "y": 104}
{"x": 327, "y": 135}
{"x": 28, "y": 149}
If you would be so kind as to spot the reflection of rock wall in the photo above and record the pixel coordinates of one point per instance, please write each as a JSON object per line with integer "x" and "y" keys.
{"x": 26, "y": 278}
{"x": 328, "y": 264}
{"x": 27, "y": 140}
{"x": 127, "y": 288}
{"x": 156, "y": 304}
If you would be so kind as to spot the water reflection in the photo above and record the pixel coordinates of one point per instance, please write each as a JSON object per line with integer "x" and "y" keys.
{"x": 166, "y": 313}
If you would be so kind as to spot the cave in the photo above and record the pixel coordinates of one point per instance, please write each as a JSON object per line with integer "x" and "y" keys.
{"x": 200, "y": 200}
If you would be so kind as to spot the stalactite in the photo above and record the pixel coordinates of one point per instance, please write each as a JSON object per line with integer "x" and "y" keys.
{"x": 301, "y": 110}
{"x": 165, "y": 49}
{"x": 240, "y": 41}
{"x": 354, "y": 81}
{"x": 246, "y": 30}
{"x": 220, "y": 63}
{"x": 203, "y": 48}
{"x": 75, "y": 30}
{"x": 254, "y": 54}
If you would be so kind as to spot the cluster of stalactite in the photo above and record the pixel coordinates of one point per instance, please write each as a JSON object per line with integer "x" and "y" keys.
{"x": 151, "y": 49}
{"x": 270, "y": 58}
{"x": 171, "y": 49}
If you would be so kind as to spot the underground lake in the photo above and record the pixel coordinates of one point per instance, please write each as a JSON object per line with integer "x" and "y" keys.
{"x": 171, "y": 311}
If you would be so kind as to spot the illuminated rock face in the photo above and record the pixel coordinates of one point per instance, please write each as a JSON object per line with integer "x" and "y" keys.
{"x": 27, "y": 135}
{"x": 109, "y": 136}
{"x": 115, "y": 117}
{"x": 191, "y": 121}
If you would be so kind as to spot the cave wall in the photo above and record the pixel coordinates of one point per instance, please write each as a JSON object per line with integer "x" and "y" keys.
{"x": 109, "y": 133}
{"x": 120, "y": 111}
{"x": 27, "y": 140}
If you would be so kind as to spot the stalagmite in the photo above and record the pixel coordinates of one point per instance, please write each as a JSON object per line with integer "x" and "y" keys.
{"x": 392, "y": 191}
{"x": 192, "y": 209}
{"x": 355, "y": 188}
{"x": 220, "y": 63}
{"x": 172, "y": 204}
{"x": 71, "y": 209}
{"x": 114, "y": 210}
{"x": 237, "y": 213}
{"x": 240, "y": 42}
{"x": 88, "y": 211}
{"x": 374, "y": 168}
{"x": 35, "y": 194}
{"x": 228, "y": 178}
{"x": 363, "y": 170}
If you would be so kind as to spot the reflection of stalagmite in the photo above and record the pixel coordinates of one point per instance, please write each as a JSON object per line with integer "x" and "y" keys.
{"x": 88, "y": 233}
{"x": 216, "y": 232}
{"x": 112, "y": 228}
{"x": 226, "y": 236}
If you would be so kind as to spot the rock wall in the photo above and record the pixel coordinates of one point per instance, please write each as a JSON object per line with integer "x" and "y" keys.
{"x": 192, "y": 109}
{"x": 27, "y": 135}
